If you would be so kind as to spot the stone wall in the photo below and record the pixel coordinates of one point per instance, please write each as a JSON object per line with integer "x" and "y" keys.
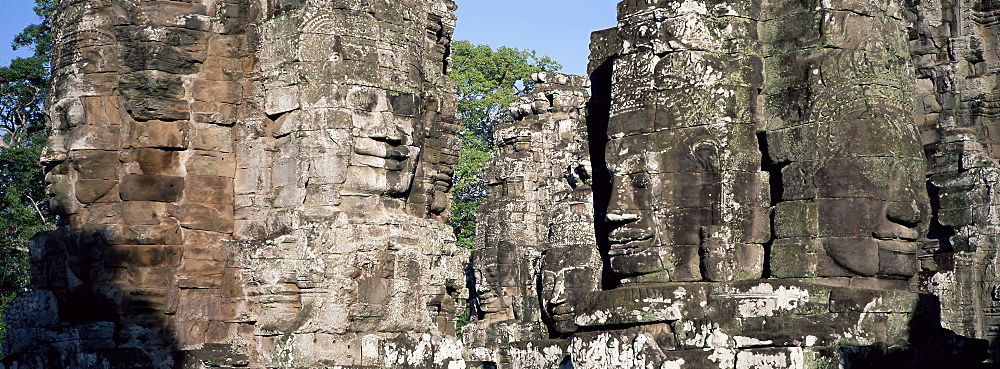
{"x": 343, "y": 181}
{"x": 688, "y": 199}
{"x": 141, "y": 166}
{"x": 953, "y": 48}
{"x": 247, "y": 184}
{"x": 535, "y": 246}
{"x": 744, "y": 185}
{"x": 766, "y": 201}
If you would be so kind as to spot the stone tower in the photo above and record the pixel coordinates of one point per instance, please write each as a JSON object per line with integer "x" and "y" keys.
{"x": 247, "y": 184}
{"x": 738, "y": 184}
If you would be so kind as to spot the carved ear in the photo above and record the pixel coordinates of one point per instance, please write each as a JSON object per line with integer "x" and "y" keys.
{"x": 706, "y": 153}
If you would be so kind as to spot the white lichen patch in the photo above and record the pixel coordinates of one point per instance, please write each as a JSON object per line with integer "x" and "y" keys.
{"x": 725, "y": 358}
{"x": 595, "y": 318}
{"x": 708, "y": 335}
{"x": 442, "y": 351}
{"x": 532, "y": 356}
{"x": 811, "y": 341}
{"x": 639, "y": 310}
{"x": 673, "y": 364}
{"x": 742, "y": 341}
{"x": 764, "y": 300}
{"x": 614, "y": 350}
{"x": 791, "y": 358}
{"x": 449, "y": 350}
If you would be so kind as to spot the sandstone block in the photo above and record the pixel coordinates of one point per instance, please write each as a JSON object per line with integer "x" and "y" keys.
{"x": 158, "y": 162}
{"x": 895, "y": 260}
{"x": 859, "y": 255}
{"x": 796, "y": 219}
{"x": 154, "y": 95}
{"x": 90, "y": 191}
{"x": 159, "y": 134}
{"x": 767, "y": 298}
{"x": 640, "y": 305}
{"x": 94, "y": 138}
{"x": 779, "y": 357}
{"x": 216, "y": 91}
{"x": 168, "y": 232}
{"x": 872, "y": 301}
{"x": 209, "y": 190}
{"x": 794, "y": 257}
{"x": 280, "y": 99}
{"x": 143, "y": 212}
{"x": 212, "y": 138}
{"x": 213, "y": 112}
{"x": 143, "y": 255}
{"x": 137, "y": 187}
{"x": 209, "y": 163}
{"x": 95, "y": 164}
{"x": 101, "y": 110}
{"x": 642, "y": 262}
{"x": 204, "y": 216}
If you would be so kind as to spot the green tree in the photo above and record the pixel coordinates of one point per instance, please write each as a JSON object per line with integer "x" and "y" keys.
{"x": 488, "y": 81}
{"x": 23, "y": 210}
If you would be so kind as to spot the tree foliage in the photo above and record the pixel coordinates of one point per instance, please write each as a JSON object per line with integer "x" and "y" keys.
{"x": 24, "y": 81}
{"x": 488, "y": 81}
{"x": 23, "y": 210}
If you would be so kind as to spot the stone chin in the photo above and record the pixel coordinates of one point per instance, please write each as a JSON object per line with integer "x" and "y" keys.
{"x": 62, "y": 198}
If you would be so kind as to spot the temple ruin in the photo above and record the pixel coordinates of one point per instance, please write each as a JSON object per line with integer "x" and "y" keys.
{"x": 736, "y": 184}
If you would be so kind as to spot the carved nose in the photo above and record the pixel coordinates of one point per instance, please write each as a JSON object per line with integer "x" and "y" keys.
{"x": 621, "y": 203}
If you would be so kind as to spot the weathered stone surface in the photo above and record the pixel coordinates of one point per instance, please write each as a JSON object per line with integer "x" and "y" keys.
{"x": 242, "y": 185}
{"x": 683, "y": 148}
{"x": 751, "y": 185}
{"x": 537, "y": 224}
{"x": 958, "y": 127}
{"x": 770, "y": 143}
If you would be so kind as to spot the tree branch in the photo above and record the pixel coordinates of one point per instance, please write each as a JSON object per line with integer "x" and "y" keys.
{"x": 38, "y": 211}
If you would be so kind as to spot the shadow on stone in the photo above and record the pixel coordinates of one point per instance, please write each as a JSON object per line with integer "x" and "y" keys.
{"x": 80, "y": 315}
{"x": 597, "y": 127}
{"x": 932, "y": 345}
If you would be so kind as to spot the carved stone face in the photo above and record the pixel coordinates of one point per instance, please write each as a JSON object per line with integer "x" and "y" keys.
{"x": 61, "y": 190}
{"x": 490, "y": 304}
{"x": 656, "y": 224}
{"x": 682, "y": 195}
{"x": 384, "y": 156}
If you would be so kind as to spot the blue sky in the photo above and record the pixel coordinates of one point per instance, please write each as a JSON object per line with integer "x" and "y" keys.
{"x": 17, "y": 15}
{"x": 559, "y": 29}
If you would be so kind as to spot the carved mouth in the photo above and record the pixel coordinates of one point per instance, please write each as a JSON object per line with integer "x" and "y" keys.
{"x": 626, "y": 239}
{"x": 385, "y": 154}
{"x": 382, "y": 148}
{"x": 629, "y": 232}
{"x": 381, "y": 165}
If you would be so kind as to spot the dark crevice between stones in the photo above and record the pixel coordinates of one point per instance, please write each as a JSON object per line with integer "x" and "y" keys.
{"x": 550, "y": 324}
{"x": 936, "y": 230}
{"x": 470, "y": 283}
{"x": 773, "y": 169}
{"x": 598, "y": 115}
{"x": 275, "y": 122}
{"x": 776, "y": 189}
